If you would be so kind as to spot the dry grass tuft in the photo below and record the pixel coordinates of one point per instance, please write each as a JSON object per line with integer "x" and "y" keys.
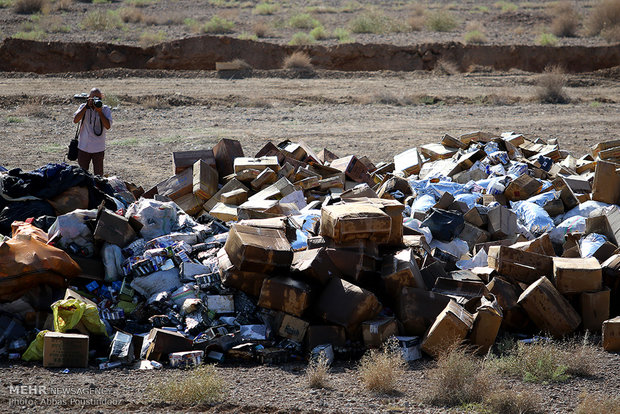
{"x": 604, "y": 19}
{"x": 380, "y": 370}
{"x": 598, "y": 404}
{"x": 155, "y": 102}
{"x": 507, "y": 401}
{"x": 131, "y": 14}
{"x": 416, "y": 19}
{"x": 298, "y": 60}
{"x": 566, "y": 19}
{"x": 446, "y": 67}
{"x": 612, "y": 34}
{"x": 33, "y": 110}
{"x": 441, "y": 21}
{"x": 199, "y": 385}
{"x": 459, "y": 378}
{"x": 63, "y": 5}
{"x": 475, "y": 34}
{"x": 30, "y": 6}
{"x": 317, "y": 372}
{"x": 551, "y": 86}
{"x": 261, "y": 29}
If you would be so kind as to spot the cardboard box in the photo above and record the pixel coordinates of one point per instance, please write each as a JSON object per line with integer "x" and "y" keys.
{"x": 611, "y": 335}
{"x": 376, "y": 331}
{"x": 409, "y": 161}
{"x": 260, "y": 164}
{"x": 606, "y": 185}
{"x": 577, "y": 275}
{"x": 258, "y": 249}
{"x": 186, "y": 359}
{"x": 487, "y": 321}
{"x": 285, "y": 294}
{"x": 548, "y": 309}
{"x": 225, "y": 152}
{"x": 346, "y": 304}
{"x": 177, "y": 185}
{"x": 353, "y": 169}
{"x": 160, "y": 343}
{"x": 436, "y": 151}
{"x": 220, "y": 303}
{"x": 502, "y": 223}
{"x": 398, "y": 271}
{"x": 315, "y": 264}
{"x": 247, "y": 282}
{"x": 392, "y": 208}
{"x": 65, "y": 350}
{"x": 418, "y": 309}
{"x": 293, "y": 328}
{"x": 235, "y": 197}
{"x": 189, "y": 203}
{"x": 519, "y": 265}
{"x": 229, "y": 186}
{"x": 114, "y": 229}
{"x": 451, "y": 327}
{"x": 522, "y": 188}
{"x": 514, "y": 316}
{"x": 594, "y": 309}
{"x": 204, "y": 180}
{"x": 182, "y": 160}
{"x": 326, "y": 334}
{"x": 410, "y": 347}
{"x": 347, "y": 222}
{"x": 225, "y": 212}
{"x": 264, "y": 178}
{"x": 354, "y": 266}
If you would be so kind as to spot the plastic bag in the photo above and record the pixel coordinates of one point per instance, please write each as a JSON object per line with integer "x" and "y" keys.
{"x": 589, "y": 244}
{"x": 543, "y": 198}
{"x": 158, "y": 218}
{"x": 161, "y": 281}
{"x": 67, "y": 313}
{"x": 570, "y": 225}
{"x": 35, "y": 349}
{"x": 417, "y": 225}
{"x": 585, "y": 209}
{"x": 113, "y": 259}
{"x": 444, "y": 225}
{"x": 469, "y": 199}
{"x": 73, "y": 229}
{"x": 456, "y": 247}
{"x": 533, "y": 217}
{"x": 479, "y": 260}
{"x": 423, "y": 203}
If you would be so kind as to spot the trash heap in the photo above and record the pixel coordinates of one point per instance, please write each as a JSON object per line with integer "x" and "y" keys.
{"x": 293, "y": 253}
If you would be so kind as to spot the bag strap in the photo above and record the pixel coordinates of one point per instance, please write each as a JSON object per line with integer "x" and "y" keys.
{"x": 79, "y": 127}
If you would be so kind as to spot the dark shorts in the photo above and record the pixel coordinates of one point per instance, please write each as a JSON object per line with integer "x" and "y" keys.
{"x": 84, "y": 159}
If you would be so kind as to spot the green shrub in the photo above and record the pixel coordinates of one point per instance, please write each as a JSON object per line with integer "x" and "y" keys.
{"x": 30, "y": 35}
{"x": 475, "y": 37}
{"x": 100, "y": 20}
{"x": 218, "y": 24}
{"x": 506, "y": 6}
{"x": 342, "y": 35}
{"x": 441, "y": 21}
{"x": 371, "y": 22}
{"x": 301, "y": 38}
{"x": 319, "y": 33}
{"x": 14, "y": 120}
{"x": 141, "y": 3}
{"x": 247, "y": 36}
{"x": 547, "y": 39}
{"x": 303, "y": 21}
{"x": 5, "y": 4}
{"x": 149, "y": 38}
{"x": 265, "y": 9}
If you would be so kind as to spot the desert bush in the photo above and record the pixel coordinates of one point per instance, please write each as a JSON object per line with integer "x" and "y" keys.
{"x": 508, "y": 401}
{"x": 506, "y": 6}
{"x": 301, "y": 38}
{"x": 52, "y": 24}
{"x": 605, "y": 16}
{"x": 5, "y": 4}
{"x": 459, "y": 378}
{"x": 218, "y": 24}
{"x": 131, "y": 14}
{"x": 141, "y": 3}
{"x": 380, "y": 370}
{"x": 481, "y": 9}
{"x": 475, "y": 34}
{"x": 247, "y": 36}
{"x": 30, "y": 35}
{"x": 416, "y": 18}
{"x": 319, "y": 33}
{"x": 317, "y": 372}
{"x": 192, "y": 24}
{"x": 100, "y": 20}
{"x": 63, "y": 4}
{"x": 14, "y": 120}
{"x": 446, "y": 67}
{"x": 33, "y": 110}
{"x": 547, "y": 39}
{"x": 199, "y": 385}
{"x": 565, "y": 19}
{"x": 155, "y": 102}
{"x": 441, "y": 21}
{"x": 598, "y": 404}
{"x": 321, "y": 9}
{"x": 303, "y": 21}
{"x": 611, "y": 34}
{"x": 149, "y": 38}
{"x": 30, "y": 6}
{"x": 261, "y": 29}
{"x": 297, "y": 60}
{"x": 371, "y": 22}
{"x": 342, "y": 35}
{"x": 111, "y": 100}
{"x": 265, "y": 9}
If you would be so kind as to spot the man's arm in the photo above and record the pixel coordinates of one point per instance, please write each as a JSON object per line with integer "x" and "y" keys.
{"x": 104, "y": 119}
{"x": 79, "y": 114}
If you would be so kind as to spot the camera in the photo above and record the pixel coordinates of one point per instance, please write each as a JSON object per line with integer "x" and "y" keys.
{"x": 97, "y": 103}
{"x": 94, "y": 101}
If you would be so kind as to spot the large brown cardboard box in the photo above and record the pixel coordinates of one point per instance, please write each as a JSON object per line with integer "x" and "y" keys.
{"x": 204, "y": 180}
{"x": 502, "y": 223}
{"x": 392, "y": 208}
{"x": 229, "y": 186}
{"x": 418, "y": 308}
{"x": 315, "y": 264}
{"x": 487, "y": 321}
{"x": 258, "y": 249}
{"x": 293, "y": 328}
{"x": 548, "y": 309}
{"x": 575, "y": 275}
{"x": 345, "y": 222}
{"x": 177, "y": 185}
{"x": 376, "y": 331}
{"x": 606, "y": 185}
{"x": 114, "y": 229}
{"x": 247, "y": 282}
{"x": 451, "y": 327}
{"x": 354, "y": 266}
{"x": 594, "y": 309}
{"x": 519, "y": 265}
{"x": 160, "y": 342}
{"x": 182, "y": 160}
{"x": 514, "y": 316}
{"x": 326, "y": 334}
{"x": 522, "y": 188}
{"x": 353, "y": 168}
{"x": 285, "y": 294}
{"x": 346, "y": 304}
{"x": 225, "y": 153}
{"x": 400, "y": 270}
{"x": 260, "y": 164}
{"x": 65, "y": 350}
{"x": 611, "y": 335}
{"x": 189, "y": 203}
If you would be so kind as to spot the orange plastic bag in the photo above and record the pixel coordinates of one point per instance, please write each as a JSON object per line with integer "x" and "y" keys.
{"x": 26, "y": 261}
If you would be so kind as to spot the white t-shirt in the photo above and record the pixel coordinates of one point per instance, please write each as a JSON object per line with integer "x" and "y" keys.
{"x": 92, "y": 133}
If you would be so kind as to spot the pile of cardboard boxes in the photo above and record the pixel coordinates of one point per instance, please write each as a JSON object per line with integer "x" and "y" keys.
{"x": 292, "y": 249}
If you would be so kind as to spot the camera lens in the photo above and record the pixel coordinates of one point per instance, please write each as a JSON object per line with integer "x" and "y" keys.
{"x": 98, "y": 103}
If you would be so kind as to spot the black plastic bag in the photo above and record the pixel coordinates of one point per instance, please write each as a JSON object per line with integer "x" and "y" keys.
{"x": 444, "y": 225}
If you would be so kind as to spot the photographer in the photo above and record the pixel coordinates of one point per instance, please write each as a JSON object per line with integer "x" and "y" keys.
{"x": 97, "y": 118}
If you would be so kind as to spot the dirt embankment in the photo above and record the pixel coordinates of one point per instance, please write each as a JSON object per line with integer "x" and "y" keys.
{"x": 201, "y": 53}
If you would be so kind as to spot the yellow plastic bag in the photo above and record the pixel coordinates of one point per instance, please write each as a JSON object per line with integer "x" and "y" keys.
{"x": 35, "y": 350}
{"x": 69, "y": 312}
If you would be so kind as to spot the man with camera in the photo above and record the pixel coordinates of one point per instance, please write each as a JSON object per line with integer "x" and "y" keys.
{"x": 96, "y": 119}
